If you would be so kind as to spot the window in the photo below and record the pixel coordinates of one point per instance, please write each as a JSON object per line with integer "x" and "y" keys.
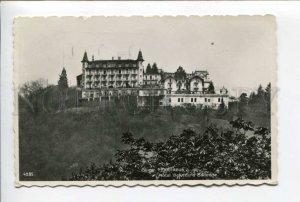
{"x": 219, "y": 99}
{"x": 195, "y": 99}
{"x": 104, "y": 72}
{"x": 208, "y": 100}
{"x": 119, "y": 71}
{"x": 178, "y": 99}
{"x": 205, "y": 99}
{"x": 191, "y": 99}
{"x": 170, "y": 100}
{"x": 181, "y": 99}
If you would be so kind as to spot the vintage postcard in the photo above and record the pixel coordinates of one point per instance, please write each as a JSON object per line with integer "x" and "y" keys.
{"x": 112, "y": 101}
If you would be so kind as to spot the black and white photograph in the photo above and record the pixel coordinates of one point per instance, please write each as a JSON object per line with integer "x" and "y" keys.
{"x": 145, "y": 100}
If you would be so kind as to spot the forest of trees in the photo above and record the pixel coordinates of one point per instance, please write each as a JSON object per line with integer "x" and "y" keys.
{"x": 257, "y": 102}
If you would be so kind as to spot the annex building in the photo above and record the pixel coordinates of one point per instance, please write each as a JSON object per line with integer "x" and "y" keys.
{"x": 106, "y": 79}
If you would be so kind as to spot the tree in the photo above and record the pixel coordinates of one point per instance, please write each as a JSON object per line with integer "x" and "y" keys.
{"x": 63, "y": 80}
{"x": 243, "y": 98}
{"x": 180, "y": 74}
{"x": 154, "y": 68}
{"x": 222, "y": 107}
{"x": 268, "y": 92}
{"x": 252, "y": 97}
{"x": 260, "y": 92}
{"x": 63, "y": 87}
{"x": 211, "y": 88}
{"x": 243, "y": 104}
{"x": 32, "y": 95}
{"x": 31, "y": 88}
{"x": 268, "y": 97}
{"x": 148, "y": 69}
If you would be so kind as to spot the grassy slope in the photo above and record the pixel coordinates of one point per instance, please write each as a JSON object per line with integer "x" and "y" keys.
{"x": 52, "y": 145}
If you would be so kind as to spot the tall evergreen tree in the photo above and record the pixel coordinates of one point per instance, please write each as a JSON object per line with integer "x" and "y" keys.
{"x": 252, "y": 97}
{"x": 154, "y": 68}
{"x": 63, "y": 87}
{"x": 63, "y": 80}
{"x": 180, "y": 74}
{"x": 148, "y": 69}
{"x": 268, "y": 97}
{"x": 211, "y": 88}
{"x": 268, "y": 92}
{"x": 260, "y": 92}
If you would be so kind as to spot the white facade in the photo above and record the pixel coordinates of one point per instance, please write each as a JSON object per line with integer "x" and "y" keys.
{"x": 210, "y": 100}
{"x": 152, "y": 79}
{"x": 106, "y": 78}
{"x": 196, "y": 84}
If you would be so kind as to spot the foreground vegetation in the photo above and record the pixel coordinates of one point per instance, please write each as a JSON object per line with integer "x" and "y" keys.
{"x": 211, "y": 155}
{"x": 57, "y": 136}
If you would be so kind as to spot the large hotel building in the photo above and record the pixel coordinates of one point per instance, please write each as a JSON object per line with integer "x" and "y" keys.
{"x": 107, "y": 79}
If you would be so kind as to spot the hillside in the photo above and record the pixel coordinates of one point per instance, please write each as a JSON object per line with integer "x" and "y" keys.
{"x": 55, "y": 139}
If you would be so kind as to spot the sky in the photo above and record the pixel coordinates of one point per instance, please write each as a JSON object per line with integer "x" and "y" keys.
{"x": 238, "y": 52}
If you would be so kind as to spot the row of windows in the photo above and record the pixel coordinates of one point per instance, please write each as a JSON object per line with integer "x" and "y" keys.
{"x": 192, "y": 99}
{"x": 180, "y": 99}
{"x": 90, "y": 77}
{"x": 91, "y": 95}
{"x": 111, "y": 71}
{"x": 112, "y": 65}
{"x": 195, "y": 100}
{"x": 154, "y": 77}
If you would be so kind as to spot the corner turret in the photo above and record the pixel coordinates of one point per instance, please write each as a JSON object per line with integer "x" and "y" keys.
{"x": 85, "y": 57}
{"x": 140, "y": 56}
